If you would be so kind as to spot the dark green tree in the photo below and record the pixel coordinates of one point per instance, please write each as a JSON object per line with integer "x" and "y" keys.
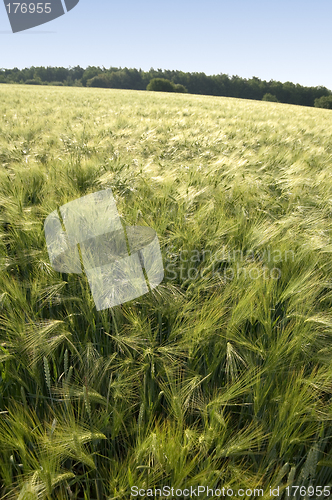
{"x": 269, "y": 97}
{"x": 34, "y": 81}
{"x": 324, "y": 102}
{"x": 160, "y": 85}
{"x": 180, "y": 88}
{"x": 89, "y": 73}
{"x": 101, "y": 81}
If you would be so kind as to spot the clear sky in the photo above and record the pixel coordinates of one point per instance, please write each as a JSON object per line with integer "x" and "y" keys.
{"x": 285, "y": 40}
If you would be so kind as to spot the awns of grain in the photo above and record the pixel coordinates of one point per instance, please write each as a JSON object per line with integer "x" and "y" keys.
{"x": 207, "y": 380}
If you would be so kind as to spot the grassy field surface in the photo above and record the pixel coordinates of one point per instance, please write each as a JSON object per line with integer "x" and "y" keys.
{"x": 222, "y": 375}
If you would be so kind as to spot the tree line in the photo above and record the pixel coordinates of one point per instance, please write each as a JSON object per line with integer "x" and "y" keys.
{"x": 193, "y": 83}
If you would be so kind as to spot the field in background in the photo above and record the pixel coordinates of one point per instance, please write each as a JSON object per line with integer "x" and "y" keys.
{"x": 222, "y": 376}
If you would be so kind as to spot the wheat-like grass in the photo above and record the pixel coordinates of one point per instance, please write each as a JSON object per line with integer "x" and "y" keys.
{"x": 221, "y": 376}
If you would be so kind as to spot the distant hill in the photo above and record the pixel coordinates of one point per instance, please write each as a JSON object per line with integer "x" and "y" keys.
{"x": 194, "y": 83}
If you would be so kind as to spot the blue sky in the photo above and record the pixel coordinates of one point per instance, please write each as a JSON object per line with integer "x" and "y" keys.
{"x": 280, "y": 40}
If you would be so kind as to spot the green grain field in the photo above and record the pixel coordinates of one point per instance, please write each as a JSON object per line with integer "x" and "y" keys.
{"x": 219, "y": 377}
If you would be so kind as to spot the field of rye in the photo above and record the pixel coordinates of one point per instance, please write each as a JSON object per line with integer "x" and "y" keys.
{"x": 222, "y": 375}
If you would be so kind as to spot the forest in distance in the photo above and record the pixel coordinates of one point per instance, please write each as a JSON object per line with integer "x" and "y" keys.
{"x": 193, "y": 83}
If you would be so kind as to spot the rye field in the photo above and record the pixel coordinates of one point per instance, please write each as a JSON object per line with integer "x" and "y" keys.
{"x": 220, "y": 377}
